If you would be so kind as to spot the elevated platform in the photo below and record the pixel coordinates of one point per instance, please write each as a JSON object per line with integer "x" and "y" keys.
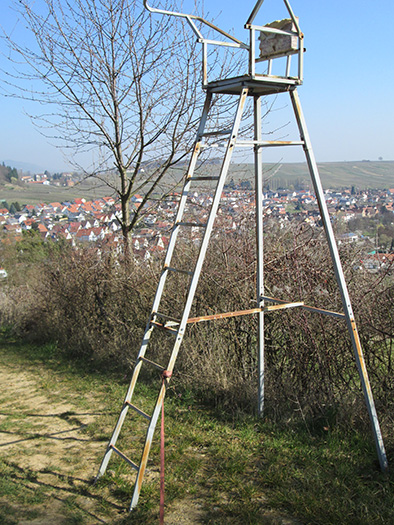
{"x": 258, "y": 85}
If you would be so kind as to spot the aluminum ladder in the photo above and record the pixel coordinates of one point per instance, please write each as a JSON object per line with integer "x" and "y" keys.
{"x": 161, "y": 321}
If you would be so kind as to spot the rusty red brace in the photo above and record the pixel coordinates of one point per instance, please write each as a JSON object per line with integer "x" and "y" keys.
{"x": 165, "y": 375}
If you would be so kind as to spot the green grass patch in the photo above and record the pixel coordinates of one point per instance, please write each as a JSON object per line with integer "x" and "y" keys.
{"x": 220, "y": 468}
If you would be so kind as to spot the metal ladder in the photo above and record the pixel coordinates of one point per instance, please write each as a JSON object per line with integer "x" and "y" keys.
{"x": 176, "y": 327}
{"x": 159, "y": 320}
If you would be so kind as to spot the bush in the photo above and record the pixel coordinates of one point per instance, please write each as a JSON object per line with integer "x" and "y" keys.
{"x": 95, "y": 306}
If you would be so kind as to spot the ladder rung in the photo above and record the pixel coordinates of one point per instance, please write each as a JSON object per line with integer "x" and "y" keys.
{"x": 204, "y": 178}
{"x": 164, "y": 327}
{"x": 138, "y": 410}
{"x": 177, "y": 270}
{"x": 192, "y": 224}
{"x": 209, "y": 146}
{"x": 159, "y": 367}
{"x": 123, "y": 456}
{"x": 216, "y": 133}
{"x": 269, "y": 143}
{"x": 167, "y": 317}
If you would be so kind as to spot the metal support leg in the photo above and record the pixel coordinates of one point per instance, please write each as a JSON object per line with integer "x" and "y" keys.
{"x": 347, "y": 307}
{"x": 258, "y": 169}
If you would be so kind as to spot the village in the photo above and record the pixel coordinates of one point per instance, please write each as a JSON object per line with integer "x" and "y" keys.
{"x": 84, "y": 221}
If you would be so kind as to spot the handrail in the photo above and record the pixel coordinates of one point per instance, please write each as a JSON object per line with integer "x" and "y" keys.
{"x": 294, "y": 18}
{"x": 189, "y": 18}
{"x": 253, "y": 14}
{"x": 274, "y": 30}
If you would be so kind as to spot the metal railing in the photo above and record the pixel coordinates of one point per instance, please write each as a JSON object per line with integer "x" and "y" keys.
{"x": 233, "y": 42}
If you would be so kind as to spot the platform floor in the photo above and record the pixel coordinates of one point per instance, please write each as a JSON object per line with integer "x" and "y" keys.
{"x": 258, "y": 85}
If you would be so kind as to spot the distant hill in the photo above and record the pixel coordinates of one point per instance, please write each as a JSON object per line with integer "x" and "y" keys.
{"x": 334, "y": 175}
{"x": 24, "y": 166}
{"x": 361, "y": 174}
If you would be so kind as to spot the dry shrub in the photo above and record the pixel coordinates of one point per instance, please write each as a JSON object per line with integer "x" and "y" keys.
{"x": 310, "y": 366}
{"x": 18, "y": 307}
{"x": 96, "y": 306}
{"x": 219, "y": 358}
{"x": 88, "y": 302}
{"x": 101, "y": 305}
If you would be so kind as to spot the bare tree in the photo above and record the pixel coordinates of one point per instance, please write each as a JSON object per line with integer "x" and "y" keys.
{"x": 119, "y": 84}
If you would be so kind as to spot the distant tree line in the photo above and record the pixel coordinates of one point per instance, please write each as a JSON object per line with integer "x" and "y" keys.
{"x": 14, "y": 207}
{"x": 7, "y": 173}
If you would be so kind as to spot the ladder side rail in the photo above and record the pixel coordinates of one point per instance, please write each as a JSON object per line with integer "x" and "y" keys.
{"x": 258, "y": 166}
{"x": 127, "y": 400}
{"x": 190, "y": 294}
{"x": 347, "y": 307}
{"x": 149, "y": 327}
{"x": 114, "y": 437}
{"x": 209, "y": 226}
{"x": 182, "y": 203}
{"x": 147, "y": 446}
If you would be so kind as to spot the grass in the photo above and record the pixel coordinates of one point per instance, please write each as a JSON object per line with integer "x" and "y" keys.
{"x": 37, "y": 193}
{"x": 220, "y": 467}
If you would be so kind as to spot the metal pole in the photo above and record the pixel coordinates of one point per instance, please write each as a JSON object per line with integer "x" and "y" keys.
{"x": 252, "y": 53}
{"x": 258, "y": 169}
{"x": 347, "y": 307}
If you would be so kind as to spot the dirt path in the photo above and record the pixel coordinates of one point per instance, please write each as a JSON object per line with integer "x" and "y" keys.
{"x": 44, "y": 443}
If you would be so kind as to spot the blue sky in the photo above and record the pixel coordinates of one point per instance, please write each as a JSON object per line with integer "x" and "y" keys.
{"x": 347, "y": 95}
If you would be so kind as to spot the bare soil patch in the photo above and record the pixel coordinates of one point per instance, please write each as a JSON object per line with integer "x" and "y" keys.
{"x": 45, "y": 443}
